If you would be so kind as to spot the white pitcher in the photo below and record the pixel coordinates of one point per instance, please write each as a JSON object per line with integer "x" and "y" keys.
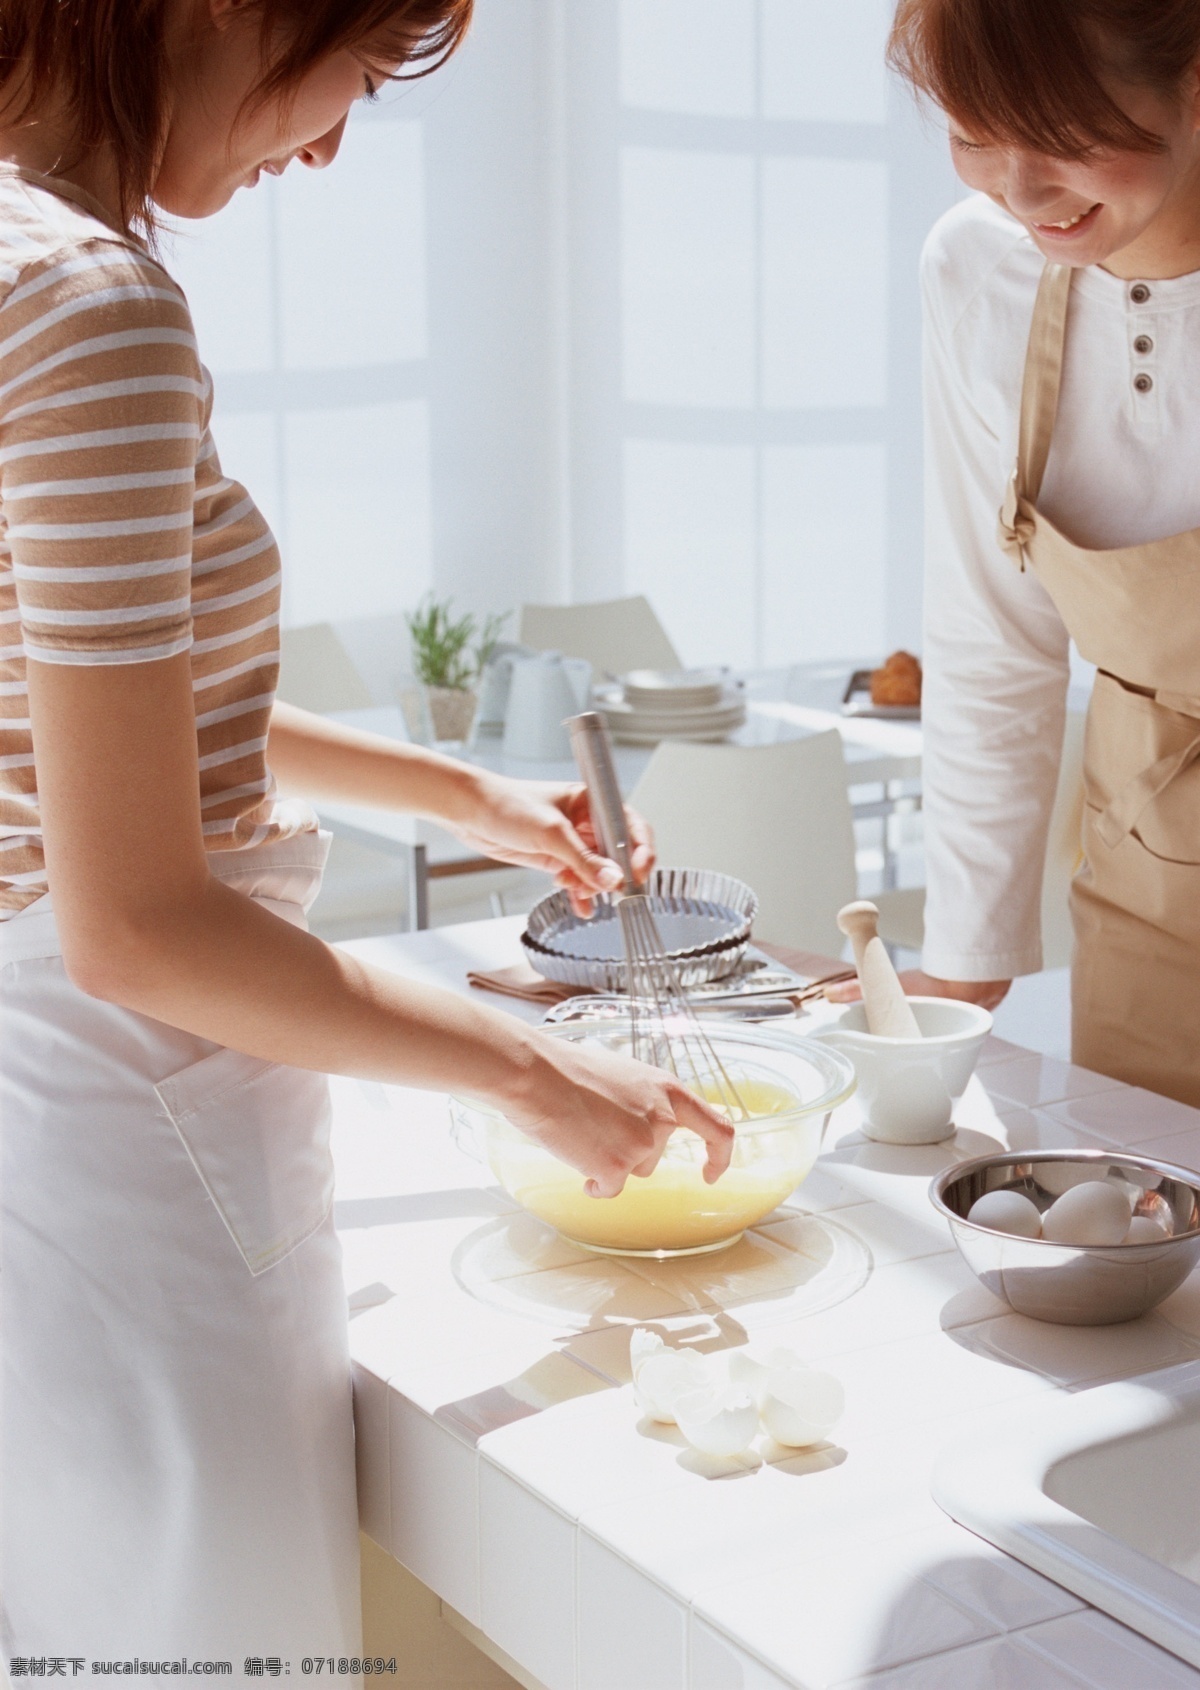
{"x": 543, "y": 692}
{"x": 494, "y": 684}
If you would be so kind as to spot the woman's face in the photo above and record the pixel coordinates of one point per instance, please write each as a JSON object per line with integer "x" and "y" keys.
{"x": 215, "y": 144}
{"x": 1088, "y": 211}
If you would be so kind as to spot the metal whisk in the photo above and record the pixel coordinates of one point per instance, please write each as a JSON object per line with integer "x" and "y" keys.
{"x": 665, "y": 1030}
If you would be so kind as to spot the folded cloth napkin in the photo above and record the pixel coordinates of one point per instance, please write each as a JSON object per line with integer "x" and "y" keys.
{"x": 521, "y": 981}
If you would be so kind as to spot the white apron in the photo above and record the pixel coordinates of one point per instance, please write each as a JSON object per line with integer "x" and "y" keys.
{"x": 177, "y": 1444}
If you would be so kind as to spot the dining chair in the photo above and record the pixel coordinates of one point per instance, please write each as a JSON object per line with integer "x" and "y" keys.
{"x": 902, "y": 911}
{"x": 379, "y": 647}
{"x": 316, "y": 673}
{"x": 614, "y": 635}
{"x": 776, "y": 816}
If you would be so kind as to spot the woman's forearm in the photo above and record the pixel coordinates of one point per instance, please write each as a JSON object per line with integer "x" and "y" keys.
{"x": 220, "y": 966}
{"x": 535, "y": 824}
{"x": 146, "y": 925}
{"x": 313, "y": 757}
{"x": 223, "y": 967}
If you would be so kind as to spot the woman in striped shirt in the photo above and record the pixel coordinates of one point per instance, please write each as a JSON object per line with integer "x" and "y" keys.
{"x": 177, "y": 1444}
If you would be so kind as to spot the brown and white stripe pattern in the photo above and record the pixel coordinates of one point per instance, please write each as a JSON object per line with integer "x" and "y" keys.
{"x": 120, "y": 539}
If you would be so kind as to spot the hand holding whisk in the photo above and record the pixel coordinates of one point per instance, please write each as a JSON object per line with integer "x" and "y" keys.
{"x": 665, "y": 1029}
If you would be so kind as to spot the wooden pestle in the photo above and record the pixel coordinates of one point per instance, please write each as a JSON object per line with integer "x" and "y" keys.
{"x": 889, "y": 1013}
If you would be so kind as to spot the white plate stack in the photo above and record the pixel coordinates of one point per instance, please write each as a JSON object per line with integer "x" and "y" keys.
{"x": 650, "y": 705}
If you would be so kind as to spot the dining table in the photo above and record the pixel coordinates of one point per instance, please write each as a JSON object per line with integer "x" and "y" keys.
{"x": 883, "y": 771}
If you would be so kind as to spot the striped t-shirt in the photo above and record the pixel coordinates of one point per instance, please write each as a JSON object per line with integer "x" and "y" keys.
{"x": 120, "y": 539}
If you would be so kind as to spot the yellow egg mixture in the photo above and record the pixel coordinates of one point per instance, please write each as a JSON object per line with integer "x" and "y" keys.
{"x": 673, "y": 1209}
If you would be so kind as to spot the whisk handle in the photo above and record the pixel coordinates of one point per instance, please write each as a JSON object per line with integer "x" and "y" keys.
{"x": 593, "y": 754}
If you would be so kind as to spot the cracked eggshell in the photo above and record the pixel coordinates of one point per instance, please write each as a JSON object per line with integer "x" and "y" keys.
{"x": 751, "y": 1368}
{"x": 746, "y": 1370}
{"x": 642, "y": 1345}
{"x": 661, "y": 1375}
{"x": 1094, "y": 1213}
{"x": 722, "y": 1422}
{"x": 801, "y": 1407}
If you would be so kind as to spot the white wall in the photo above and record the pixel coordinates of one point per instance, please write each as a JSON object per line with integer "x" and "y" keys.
{"x": 621, "y": 299}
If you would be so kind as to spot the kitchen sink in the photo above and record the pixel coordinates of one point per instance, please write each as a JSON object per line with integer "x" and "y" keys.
{"x": 1100, "y": 1491}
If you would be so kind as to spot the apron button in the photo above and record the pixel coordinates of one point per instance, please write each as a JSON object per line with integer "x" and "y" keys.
{"x": 1143, "y": 383}
{"x": 1143, "y": 344}
{"x": 1139, "y": 293}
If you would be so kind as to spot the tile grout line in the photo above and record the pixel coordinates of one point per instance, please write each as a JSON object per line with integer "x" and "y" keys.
{"x": 577, "y": 1606}
{"x": 1072, "y": 1668}
{"x": 478, "y": 1541}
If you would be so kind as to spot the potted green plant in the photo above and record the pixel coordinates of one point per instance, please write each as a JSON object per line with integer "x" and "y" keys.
{"x": 449, "y": 653}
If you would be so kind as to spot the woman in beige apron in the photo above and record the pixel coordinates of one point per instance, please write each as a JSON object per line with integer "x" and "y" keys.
{"x": 1135, "y": 614}
{"x": 1062, "y": 314}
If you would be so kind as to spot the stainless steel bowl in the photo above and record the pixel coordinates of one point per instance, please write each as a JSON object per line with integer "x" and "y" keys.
{"x": 1081, "y": 1285}
{"x": 705, "y": 919}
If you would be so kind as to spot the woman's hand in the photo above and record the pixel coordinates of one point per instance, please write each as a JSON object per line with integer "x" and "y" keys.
{"x": 986, "y": 993}
{"x": 609, "y": 1117}
{"x": 536, "y": 824}
{"x": 546, "y": 825}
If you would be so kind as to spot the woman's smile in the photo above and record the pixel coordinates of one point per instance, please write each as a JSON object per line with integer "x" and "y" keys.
{"x": 1067, "y": 228}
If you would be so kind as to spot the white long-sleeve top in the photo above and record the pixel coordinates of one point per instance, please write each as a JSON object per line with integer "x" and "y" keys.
{"x": 1124, "y": 468}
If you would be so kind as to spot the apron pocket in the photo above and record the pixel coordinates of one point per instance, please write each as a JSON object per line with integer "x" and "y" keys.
{"x": 258, "y": 1135}
{"x": 1132, "y": 878}
{"x": 1130, "y": 736}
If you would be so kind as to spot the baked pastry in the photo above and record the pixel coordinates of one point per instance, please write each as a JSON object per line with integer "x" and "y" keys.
{"x": 898, "y": 682}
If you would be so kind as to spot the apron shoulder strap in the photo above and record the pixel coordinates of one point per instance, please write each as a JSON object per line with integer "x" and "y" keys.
{"x": 1043, "y": 379}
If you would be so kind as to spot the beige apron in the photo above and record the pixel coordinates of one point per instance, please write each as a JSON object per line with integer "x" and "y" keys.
{"x": 1135, "y": 613}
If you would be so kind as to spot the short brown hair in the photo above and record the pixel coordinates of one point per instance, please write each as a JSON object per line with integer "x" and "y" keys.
{"x": 108, "y": 59}
{"x": 1037, "y": 73}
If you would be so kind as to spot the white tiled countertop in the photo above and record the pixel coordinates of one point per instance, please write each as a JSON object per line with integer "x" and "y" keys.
{"x": 502, "y": 1458}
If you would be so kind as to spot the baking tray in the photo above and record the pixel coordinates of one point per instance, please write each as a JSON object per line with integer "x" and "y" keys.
{"x": 705, "y": 919}
{"x": 856, "y": 701}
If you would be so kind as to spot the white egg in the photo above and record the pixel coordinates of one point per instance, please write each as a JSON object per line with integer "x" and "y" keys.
{"x": 800, "y": 1406}
{"x": 1006, "y": 1211}
{"x": 661, "y": 1376}
{"x": 1067, "y": 1175}
{"x": 1095, "y": 1213}
{"x": 720, "y": 1422}
{"x": 1144, "y": 1229}
{"x": 1056, "y": 1178}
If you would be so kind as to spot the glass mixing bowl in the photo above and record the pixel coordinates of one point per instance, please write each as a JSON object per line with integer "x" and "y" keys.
{"x": 789, "y": 1083}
